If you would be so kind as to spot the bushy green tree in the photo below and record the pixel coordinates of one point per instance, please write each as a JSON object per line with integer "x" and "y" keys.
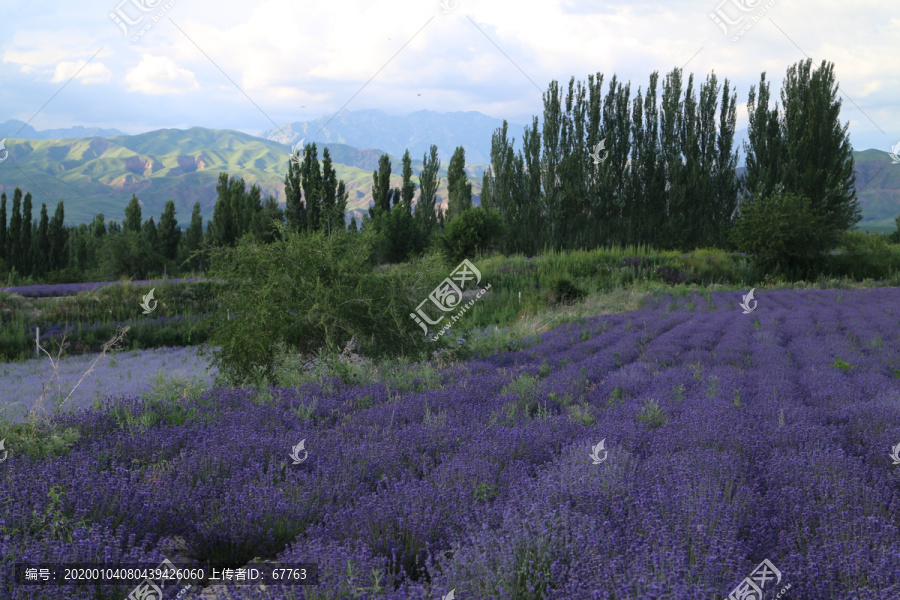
{"x": 864, "y": 256}
{"x": 474, "y": 231}
{"x": 804, "y": 148}
{"x": 783, "y": 233}
{"x": 127, "y": 254}
{"x": 98, "y": 226}
{"x": 309, "y": 292}
{"x": 266, "y": 220}
{"x": 895, "y": 237}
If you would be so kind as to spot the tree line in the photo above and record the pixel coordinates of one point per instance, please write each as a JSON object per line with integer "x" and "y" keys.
{"x": 657, "y": 169}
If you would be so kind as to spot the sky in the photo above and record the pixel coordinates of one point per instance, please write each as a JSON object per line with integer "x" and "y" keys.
{"x": 141, "y": 65}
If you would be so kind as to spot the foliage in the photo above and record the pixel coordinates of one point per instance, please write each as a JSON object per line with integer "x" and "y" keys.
{"x": 564, "y": 291}
{"x": 459, "y": 189}
{"x": 473, "y": 232}
{"x": 865, "y": 256}
{"x": 782, "y": 233}
{"x": 312, "y": 291}
{"x": 803, "y": 149}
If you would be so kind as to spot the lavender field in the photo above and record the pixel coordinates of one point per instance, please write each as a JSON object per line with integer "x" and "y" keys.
{"x": 131, "y": 372}
{"x": 729, "y": 439}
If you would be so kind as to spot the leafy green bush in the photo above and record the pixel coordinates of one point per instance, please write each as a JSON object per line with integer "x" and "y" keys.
{"x": 564, "y": 291}
{"x": 865, "y": 256}
{"x": 783, "y": 234}
{"x": 311, "y": 292}
{"x": 472, "y": 232}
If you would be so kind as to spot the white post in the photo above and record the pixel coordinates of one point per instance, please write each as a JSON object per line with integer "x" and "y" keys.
{"x": 229, "y": 314}
{"x": 37, "y": 342}
{"x": 520, "y": 297}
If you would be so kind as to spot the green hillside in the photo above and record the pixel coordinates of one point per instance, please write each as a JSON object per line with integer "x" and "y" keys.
{"x": 97, "y": 175}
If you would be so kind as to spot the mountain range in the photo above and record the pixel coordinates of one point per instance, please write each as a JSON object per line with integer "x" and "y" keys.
{"x": 97, "y": 171}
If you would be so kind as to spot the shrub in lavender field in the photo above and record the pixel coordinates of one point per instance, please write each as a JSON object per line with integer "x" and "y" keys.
{"x": 864, "y": 256}
{"x": 783, "y": 234}
{"x": 331, "y": 277}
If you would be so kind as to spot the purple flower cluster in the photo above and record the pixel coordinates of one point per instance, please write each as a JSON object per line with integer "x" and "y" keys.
{"x": 731, "y": 438}
{"x": 71, "y": 289}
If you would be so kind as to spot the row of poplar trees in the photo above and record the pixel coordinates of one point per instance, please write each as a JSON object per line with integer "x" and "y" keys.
{"x": 401, "y": 230}
{"x": 667, "y": 173}
{"x": 28, "y": 245}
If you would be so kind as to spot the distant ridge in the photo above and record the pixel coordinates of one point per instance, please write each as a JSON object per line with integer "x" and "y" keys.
{"x": 14, "y": 128}
{"x": 416, "y": 131}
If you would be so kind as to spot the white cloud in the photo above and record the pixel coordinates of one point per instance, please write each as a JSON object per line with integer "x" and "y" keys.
{"x": 93, "y": 72}
{"x": 160, "y": 75}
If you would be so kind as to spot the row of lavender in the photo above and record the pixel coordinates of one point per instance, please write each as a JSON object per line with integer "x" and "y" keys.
{"x": 71, "y": 289}
{"x": 731, "y": 439}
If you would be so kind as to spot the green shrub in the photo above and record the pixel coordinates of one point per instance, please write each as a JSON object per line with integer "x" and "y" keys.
{"x": 865, "y": 256}
{"x": 471, "y": 233}
{"x": 783, "y": 233}
{"x": 314, "y": 291}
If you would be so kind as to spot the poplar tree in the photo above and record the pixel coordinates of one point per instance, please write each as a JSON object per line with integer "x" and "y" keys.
{"x": 13, "y": 243}
{"x": 671, "y": 130}
{"x": 816, "y": 150}
{"x": 340, "y": 204}
{"x": 193, "y": 237}
{"x": 168, "y": 232}
{"x": 42, "y": 244}
{"x": 151, "y": 235}
{"x": 58, "y": 233}
{"x": 294, "y": 208}
{"x": 98, "y": 226}
{"x": 407, "y": 188}
{"x": 428, "y": 185}
{"x": 459, "y": 188}
{"x": 311, "y": 183}
{"x": 763, "y": 146}
{"x": 221, "y": 229}
{"x": 328, "y": 194}
{"x": 133, "y": 216}
{"x": 27, "y": 260}
{"x": 3, "y": 232}
{"x": 381, "y": 188}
